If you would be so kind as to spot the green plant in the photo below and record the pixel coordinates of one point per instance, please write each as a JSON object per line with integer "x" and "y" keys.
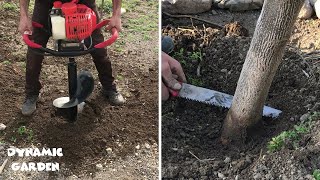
{"x": 195, "y": 81}
{"x": 294, "y": 136}
{"x": 6, "y": 62}
{"x": 120, "y": 77}
{"x": 197, "y": 55}
{"x": 131, "y": 5}
{"x": 106, "y": 6}
{"x": 316, "y": 174}
{"x": 22, "y": 130}
{"x": 179, "y": 56}
{"x": 13, "y": 139}
{"x": 9, "y": 6}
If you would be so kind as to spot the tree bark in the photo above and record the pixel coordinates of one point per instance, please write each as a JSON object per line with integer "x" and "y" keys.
{"x": 272, "y": 32}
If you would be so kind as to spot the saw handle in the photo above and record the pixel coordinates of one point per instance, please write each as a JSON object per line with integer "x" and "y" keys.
{"x": 174, "y": 93}
{"x": 40, "y": 49}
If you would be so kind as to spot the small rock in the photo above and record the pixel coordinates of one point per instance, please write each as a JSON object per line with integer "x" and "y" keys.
{"x": 292, "y": 119}
{"x": 306, "y": 10}
{"x": 220, "y": 175}
{"x": 99, "y": 167}
{"x": 248, "y": 159}
{"x": 269, "y": 176}
{"x": 214, "y": 12}
{"x": 309, "y": 177}
{"x": 224, "y": 70}
{"x": 123, "y": 10}
{"x": 242, "y": 164}
{"x": 138, "y": 147}
{"x": 147, "y": 145}
{"x": 2, "y": 127}
{"x": 284, "y": 177}
{"x": 227, "y": 160}
{"x": 174, "y": 149}
{"x": 237, "y": 177}
{"x": 304, "y": 117}
{"x": 257, "y": 176}
{"x": 109, "y": 150}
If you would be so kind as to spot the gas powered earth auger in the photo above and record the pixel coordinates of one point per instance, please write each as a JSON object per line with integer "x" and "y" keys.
{"x": 70, "y": 24}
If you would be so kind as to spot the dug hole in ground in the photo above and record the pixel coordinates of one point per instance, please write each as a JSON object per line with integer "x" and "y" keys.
{"x": 287, "y": 147}
{"x": 106, "y": 142}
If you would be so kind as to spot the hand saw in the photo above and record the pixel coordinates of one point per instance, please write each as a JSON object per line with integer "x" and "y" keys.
{"x": 216, "y": 98}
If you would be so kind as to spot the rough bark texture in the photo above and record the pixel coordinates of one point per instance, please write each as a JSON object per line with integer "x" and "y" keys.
{"x": 272, "y": 32}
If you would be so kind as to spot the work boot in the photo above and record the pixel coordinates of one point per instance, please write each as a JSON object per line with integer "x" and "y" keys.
{"x": 29, "y": 105}
{"x": 114, "y": 97}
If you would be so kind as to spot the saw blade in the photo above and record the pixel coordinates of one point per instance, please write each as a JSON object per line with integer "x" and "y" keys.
{"x": 216, "y": 98}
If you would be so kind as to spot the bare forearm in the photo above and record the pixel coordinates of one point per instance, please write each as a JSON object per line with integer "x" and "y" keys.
{"x": 24, "y": 5}
{"x": 116, "y": 10}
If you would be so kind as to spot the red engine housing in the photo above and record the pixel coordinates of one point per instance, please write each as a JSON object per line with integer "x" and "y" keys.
{"x": 80, "y": 20}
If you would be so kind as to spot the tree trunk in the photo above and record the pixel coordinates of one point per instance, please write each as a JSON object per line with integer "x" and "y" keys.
{"x": 272, "y": 32}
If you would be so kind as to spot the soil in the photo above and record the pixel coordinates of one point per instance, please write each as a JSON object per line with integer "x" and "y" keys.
{"x": 191, "y": 147}
{"x": 100, "y": 126}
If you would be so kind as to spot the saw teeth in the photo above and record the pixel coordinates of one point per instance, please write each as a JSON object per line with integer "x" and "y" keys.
{"x": 220, "y": 105}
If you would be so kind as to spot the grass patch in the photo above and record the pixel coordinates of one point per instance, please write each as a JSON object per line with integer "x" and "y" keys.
{"x": 292, "y": 136}
{"x": 106, "y": 6}
{"x": 179, "y": 56}
{"x": 195, "y": 81}
{"x": 130, "y": 6}
{"x": 120, "y": 77}
{"x": 196, "y": 56}
{"x": 316, "y": 174}
{"x": 9, "y": 6}
{"x": 6, "y": 62}
{"x": 24, "y": 132}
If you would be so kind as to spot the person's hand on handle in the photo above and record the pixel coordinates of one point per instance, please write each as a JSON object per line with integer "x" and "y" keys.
{"x": 172, "y": 74}
{"x": 115, "y": 21}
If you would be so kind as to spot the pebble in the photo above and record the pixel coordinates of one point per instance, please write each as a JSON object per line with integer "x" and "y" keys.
{"x": 147, "y": 145}
{"x": 269, "y": 176}
{"x": 227, "y": 160}
{"x": 175, "y": 149}
{"x": 2, "y": 127}
{"x": 220, "y": 175}
{"x": 224, "y": 70}
{"x": 248, "y": 159}
{"x": 123, "y": 10}
{"x": 237, "y": 177}
{"x": 284, "y": 177}
{"x": 257, "y": 176}
{"x": 292, "y": 119}
{"x": 109, "y": 150}
{"x": 99, "y": 167}
{"x": 304, "y": 117}
{"x": 214, "y": 12}
{"x": 306, "y": 11}
{"x": 138, "y": 147}
{"x": 309, "y": 177}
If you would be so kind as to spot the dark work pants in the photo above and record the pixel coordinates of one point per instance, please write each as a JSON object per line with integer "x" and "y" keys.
{"x": 34, "y": 61}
